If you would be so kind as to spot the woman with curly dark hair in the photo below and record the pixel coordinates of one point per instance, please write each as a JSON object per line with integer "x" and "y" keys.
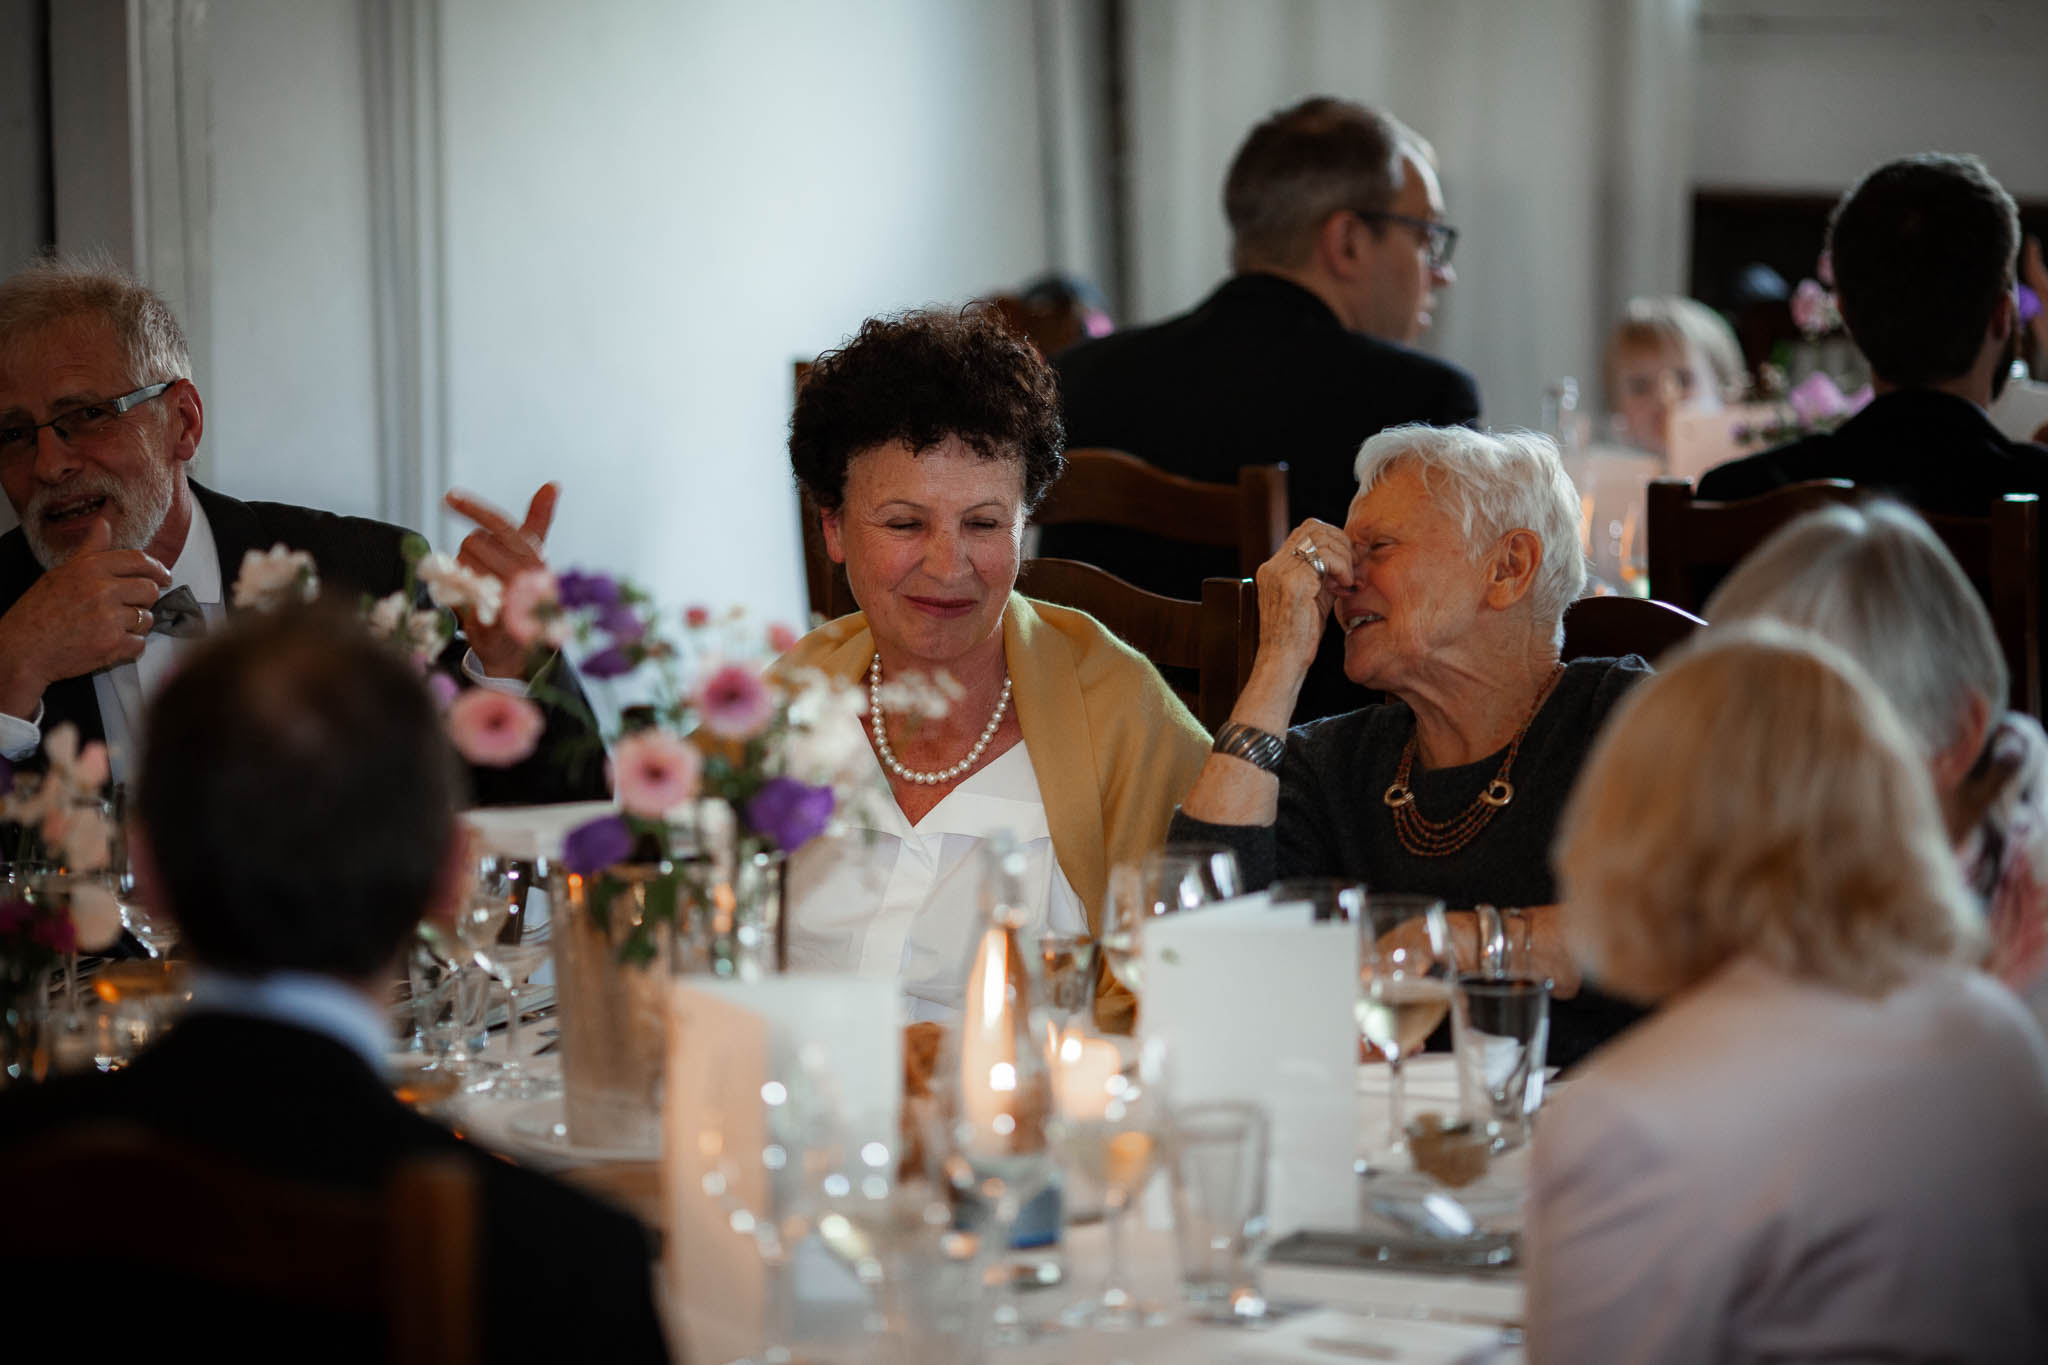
{"x": 925, "y": 442}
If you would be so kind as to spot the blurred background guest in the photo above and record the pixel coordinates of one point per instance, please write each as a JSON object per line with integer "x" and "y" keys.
{"x": 925, "y": 442}
{"x": 1923, "y": 251}
{"x": 1667, "y": 354}
{"x": 1449, "y": 581}
{"x": 297, "y": 818}
{"x": 1877, "y": 582}
{"x": 1054, "y": 312}
{"x": 1826, "y": 1144}
{"x": 1339, "y": 244}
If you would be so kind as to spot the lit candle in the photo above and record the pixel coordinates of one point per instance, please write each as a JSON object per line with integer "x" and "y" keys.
{"x": 1085, "y": 1072}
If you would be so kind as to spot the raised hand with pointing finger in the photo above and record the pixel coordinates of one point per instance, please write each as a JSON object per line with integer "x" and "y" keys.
{"x": 504, "y": 550}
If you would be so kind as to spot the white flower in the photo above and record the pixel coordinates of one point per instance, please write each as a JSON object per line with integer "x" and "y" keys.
{"x": 452, "y": 585}
{"x": 826, "y": 744}
{"x": 420, "y": 631}
{"x": 929, "y": 696}
{"x": 274, "y": 578}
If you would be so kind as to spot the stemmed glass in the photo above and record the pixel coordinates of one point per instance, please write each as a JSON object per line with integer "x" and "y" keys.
{"x": 1069, "y": 967}
{"x": 503, "y": 942}
{"x": 154, "y": 929}
{"x": 1404, "y": 960}
{"x": 1163, "y": 882}
{"x": 1109, "y": 1127}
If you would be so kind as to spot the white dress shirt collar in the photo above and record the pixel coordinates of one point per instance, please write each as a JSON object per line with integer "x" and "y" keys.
{"x": 306, "y": 1000}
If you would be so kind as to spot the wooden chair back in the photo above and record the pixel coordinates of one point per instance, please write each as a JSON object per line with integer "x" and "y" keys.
{"x": 1204, "y": 649}
{"x": 93, "y": 1201}
{"x": 1112, "y": 488}
{"x": 1610, "y": 626}
{"x": 1693, "y": 544}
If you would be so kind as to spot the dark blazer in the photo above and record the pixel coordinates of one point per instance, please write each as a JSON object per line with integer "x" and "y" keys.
{"x": 562, "y": 1276}
{"x": 355, "y": 555}
{"x": 1262, "y": 372}
{"x": 1934, "y": 450}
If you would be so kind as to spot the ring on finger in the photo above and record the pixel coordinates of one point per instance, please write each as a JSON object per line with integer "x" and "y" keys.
{"x": 1306, "y": 552}
{"x": 148, "y": 621}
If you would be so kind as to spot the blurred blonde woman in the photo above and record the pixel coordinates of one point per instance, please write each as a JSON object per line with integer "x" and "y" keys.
{"x": 1831, "y": 1140}
{"x": 1876, "y": 581}
{"x": 1666, "y": 355}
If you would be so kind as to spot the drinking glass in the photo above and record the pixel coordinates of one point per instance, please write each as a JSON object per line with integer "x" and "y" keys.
{"x": 1069, "y": 966}
{"x": 1163, "y": 882}
{"x": 1501, "y": 1028}
{"x": 1111, "y": 1131}
{"x": 153, "y": 928}
{"x": 503, "y": 941}
{"x": 1404, "y": 957}
{"x": 1218, "y": 1169}
{"x": 449, "y": 1000}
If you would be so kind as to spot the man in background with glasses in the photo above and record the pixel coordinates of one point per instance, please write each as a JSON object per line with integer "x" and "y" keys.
{"x": 1339, "y": 245}
{"x": 121, "y": 559}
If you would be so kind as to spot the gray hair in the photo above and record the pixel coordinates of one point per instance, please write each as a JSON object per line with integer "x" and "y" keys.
{"x": 1495, "y": 482}
{"x": 1877, "y": 583}
{"x": 58, "y": 288}
{"x": 1681, "y": 323}
{"x": 1305, "y": 163}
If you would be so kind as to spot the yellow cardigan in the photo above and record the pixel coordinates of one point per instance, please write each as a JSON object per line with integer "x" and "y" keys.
{"x": 1114, "y": 749}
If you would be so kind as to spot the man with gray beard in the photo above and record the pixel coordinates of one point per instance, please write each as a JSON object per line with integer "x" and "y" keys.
{"x": 121, "y": 558}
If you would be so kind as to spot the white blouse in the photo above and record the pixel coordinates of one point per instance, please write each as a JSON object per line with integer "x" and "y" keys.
{"x": 889, "y": 898}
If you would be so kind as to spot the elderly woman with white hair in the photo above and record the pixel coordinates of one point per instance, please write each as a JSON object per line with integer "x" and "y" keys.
{"x": 1827, "y": 1143}
{"x": 1877, "y": 582}
{"x": 1449, "y": 579}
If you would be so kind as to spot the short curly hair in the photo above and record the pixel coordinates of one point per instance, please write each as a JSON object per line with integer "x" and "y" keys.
{"x": 920, "y": 377}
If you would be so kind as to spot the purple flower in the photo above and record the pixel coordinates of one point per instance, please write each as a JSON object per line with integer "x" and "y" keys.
{"x": 2030, "y": 304}
{"x": 576, "y": 589}
{"x": 790, "y": 812}
{"x": 609, "y": 662}
{"x": 444, "y": 688}
{"x": 622, "y": 623}
{"x": 591, "y": 848}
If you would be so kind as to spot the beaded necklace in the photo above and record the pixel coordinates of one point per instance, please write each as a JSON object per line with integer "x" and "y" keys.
{"x": 1427, "y": 838}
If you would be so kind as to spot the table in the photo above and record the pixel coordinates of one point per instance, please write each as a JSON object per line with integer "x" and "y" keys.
{"x": 1409, "y": 1318}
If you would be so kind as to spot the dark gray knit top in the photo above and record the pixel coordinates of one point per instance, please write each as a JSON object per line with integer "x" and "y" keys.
{"x": 1333, "y": 821}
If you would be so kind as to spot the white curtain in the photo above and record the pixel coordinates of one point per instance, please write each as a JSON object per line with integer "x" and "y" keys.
{"x": 1562, "y": 129}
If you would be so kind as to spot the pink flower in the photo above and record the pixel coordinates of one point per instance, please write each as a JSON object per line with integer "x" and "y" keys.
{"x": 444, "y": 688}
{"x": 531, "y": 610}
{"x": 781, "y": 638}
{"x": 696, "y": 618}
{"x": 734, "y": 702}
{"x": 653, "y": 772}
{"x": 1817, "y": 399}
{"x": 1814, "y": 309}
{"x": 493, "y": 730}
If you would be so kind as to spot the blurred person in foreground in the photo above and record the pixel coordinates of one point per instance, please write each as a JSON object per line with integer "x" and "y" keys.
{"x": 925, "y": 442}
{"x": 1664, "y": 356}
{"x": 1826, "y": 1144}
{"x": 1875, "y": 581}
{"x": 297, "y": 815}
{"x": 1449, "y": 580}
{"x": 1339, "y": 247}
{"x": 1923, "y": 251}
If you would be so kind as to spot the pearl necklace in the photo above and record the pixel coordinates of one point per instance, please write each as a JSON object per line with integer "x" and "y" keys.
{"x": 895, "y": 765}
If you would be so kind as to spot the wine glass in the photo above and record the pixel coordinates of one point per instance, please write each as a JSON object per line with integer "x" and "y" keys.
{"x": 1404, "y": 960}
{"x": 1163, "y": 882}
{"x": 1069, "y": 967}
{"x": 509, "y": 948}
{"x": 153, "y": 928}
{"x": 1109, "y": 1127}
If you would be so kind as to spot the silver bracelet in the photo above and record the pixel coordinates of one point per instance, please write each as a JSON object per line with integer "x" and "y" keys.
{"x": 1256, "y": 747}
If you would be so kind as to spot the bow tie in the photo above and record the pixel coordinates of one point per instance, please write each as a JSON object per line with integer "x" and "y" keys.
{"x": 178, "y": 615}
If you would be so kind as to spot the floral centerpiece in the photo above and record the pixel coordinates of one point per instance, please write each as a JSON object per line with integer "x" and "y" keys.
{"x": 1807, "y": 382}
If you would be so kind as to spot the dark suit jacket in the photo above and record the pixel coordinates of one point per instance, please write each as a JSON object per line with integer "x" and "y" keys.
{"x": 1936, "y": 451}
{"x": 355, "y": 555}
{"x": 1262, "y": 372}
{"x": 562, "y": 1277}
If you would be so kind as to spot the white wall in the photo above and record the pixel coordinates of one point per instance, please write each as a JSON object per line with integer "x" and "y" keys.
{"x": 653, "y": 209}
{"x": 290, "y": 407}
{"x": 1796, "y": 105}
